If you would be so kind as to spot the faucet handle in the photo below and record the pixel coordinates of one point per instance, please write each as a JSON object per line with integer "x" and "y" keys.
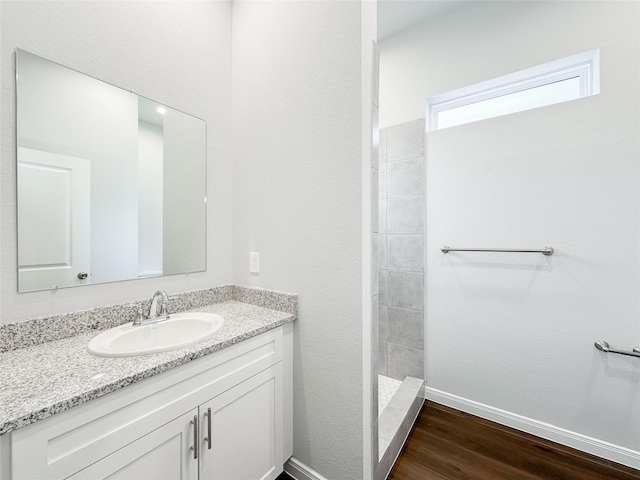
{"x": 140, "y": 318}
{"x": 163, "y": 310}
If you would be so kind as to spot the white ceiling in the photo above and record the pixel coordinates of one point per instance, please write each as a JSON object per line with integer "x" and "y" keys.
{"x": 397, "y": 15}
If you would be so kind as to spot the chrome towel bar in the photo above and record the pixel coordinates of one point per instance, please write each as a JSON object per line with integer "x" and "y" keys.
{"x": 604, "y": 347}
{"x": 545, "y": 251}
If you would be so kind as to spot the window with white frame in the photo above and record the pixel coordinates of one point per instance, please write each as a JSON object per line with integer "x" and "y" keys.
{"x": 554, "y": 82}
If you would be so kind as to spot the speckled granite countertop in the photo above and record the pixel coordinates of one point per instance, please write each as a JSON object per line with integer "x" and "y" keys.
{"x": 40, "y": 381}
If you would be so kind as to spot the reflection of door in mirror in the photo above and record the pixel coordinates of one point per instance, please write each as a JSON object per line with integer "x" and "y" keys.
{"x": 58, "y": 189}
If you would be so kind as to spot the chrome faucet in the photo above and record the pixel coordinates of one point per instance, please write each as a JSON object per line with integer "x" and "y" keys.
{"x": 160, "y": 297}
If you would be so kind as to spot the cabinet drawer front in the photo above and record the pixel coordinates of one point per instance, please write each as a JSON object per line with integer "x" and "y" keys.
{"x": 64, "y": 444}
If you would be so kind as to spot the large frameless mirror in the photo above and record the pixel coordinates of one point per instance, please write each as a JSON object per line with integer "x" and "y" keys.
{"x": 111, "y": 185}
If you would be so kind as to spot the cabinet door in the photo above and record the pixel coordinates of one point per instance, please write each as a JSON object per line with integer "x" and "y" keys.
{"x": 246, "y": 430}
{"x": 165, "y": 453}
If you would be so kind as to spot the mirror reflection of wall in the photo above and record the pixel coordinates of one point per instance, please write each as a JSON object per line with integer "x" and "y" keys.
{"x": 109, "y": 184}
{"x": 150, "y": 183}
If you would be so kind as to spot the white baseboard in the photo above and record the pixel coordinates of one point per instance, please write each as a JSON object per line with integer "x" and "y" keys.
{"x": 602, "y": 449}
{"x": 299, "y": 471}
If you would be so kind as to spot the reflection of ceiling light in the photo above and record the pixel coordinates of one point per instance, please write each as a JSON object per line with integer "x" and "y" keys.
{"x": 161, "y": 110}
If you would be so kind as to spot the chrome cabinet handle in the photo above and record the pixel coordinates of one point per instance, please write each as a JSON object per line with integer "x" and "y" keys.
{"x": 208, "y": 437}
{"x": 195, "y": 437}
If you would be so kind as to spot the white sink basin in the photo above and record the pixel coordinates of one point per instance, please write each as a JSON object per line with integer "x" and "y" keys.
{"x": 180, "y": 330}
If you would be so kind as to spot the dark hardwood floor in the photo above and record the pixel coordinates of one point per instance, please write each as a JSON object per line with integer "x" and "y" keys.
{"x": 447, "y": 444}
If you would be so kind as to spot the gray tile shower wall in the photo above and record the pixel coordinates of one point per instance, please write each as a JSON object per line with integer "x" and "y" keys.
{"x": 401, "y": 251}
{"x": 405, "y": 252}
{"x": 405, "y": 141}
{"x": 405, "y": 178}
{"x": 405, "y": 215}
{"x": 405, "y": 289}
{"x": 405, "y": 327}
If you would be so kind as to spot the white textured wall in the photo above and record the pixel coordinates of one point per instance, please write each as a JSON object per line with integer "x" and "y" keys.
{"x": 297, "y": 107}
{"x": 178, "y": 53}
{"x": 515, "y": 331}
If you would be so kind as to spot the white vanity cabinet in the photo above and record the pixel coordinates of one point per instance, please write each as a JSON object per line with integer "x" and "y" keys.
{"x": 224, "y": 416}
